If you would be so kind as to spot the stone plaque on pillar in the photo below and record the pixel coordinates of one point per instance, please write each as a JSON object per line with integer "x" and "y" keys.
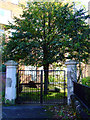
{"x": 8, "y": 82}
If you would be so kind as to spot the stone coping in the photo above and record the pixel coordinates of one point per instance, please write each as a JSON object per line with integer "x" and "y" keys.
{"x": 11, "y": 63}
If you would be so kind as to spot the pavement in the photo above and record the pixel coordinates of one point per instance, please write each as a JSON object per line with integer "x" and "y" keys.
{"x": 25, "y": 112}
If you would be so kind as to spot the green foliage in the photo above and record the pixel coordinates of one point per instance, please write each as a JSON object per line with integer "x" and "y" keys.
{"x": 51, "y": 87}
{"x": 45, "y": 33}
{"x": 9, "y": 102}
{"x": 3, "y": 96}
{"x": 51, "y": 78}
{"x": 3, "y": 68}
{"x": 86, "y": 81}
{"x": 33, "y": 95}
{"x": 48, "y": 32}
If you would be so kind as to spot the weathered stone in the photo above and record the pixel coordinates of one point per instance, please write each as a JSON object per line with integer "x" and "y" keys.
{"x": 77, "y": 103}
{"x": 10, "y": 91}
{"x": 9, "y": 82}
{"x": 71, "y": 76}
{"x": 11, "y": 63}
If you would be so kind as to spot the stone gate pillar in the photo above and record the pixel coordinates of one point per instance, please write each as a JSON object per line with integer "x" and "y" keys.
{"x": 10, "y": 90}
{"x": 71, "y": 76}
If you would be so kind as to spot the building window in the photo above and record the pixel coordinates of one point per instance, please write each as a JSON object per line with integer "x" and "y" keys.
{"x": 15, "y": 2}
{"x": 5, "y": 16}
{"x": 2, "y": 12}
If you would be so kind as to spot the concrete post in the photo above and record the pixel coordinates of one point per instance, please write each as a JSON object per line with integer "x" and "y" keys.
{"x": 71, "y": 76}
{"x": 10, "y": 91}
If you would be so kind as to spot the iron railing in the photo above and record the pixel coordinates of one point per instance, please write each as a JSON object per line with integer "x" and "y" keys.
{"x": 30, "y": 87}
{"x": 83, "y": 93}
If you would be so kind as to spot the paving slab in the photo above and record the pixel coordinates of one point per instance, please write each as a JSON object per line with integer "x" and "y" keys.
{"x": 25, "y": 112}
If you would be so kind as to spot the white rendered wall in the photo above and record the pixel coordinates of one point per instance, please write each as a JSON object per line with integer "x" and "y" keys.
{"x": 10, "y": 91}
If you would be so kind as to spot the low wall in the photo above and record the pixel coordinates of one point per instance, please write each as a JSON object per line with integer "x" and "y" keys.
{"x": 79, "y": 107}
{"x": 83, "y": 93}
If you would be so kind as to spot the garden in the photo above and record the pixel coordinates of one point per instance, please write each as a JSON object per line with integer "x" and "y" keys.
{"x": 44, "y": 35}
{"x": 33, "y": 91}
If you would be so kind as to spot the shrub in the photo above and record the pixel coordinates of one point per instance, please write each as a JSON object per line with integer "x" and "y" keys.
{"x": 3, "y": 68}
{"x": 86, "y": 81}
{"x": 51, "y": 78}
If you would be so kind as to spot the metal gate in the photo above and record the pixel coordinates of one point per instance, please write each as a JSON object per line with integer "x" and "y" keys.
{"x": 30, "y": 87}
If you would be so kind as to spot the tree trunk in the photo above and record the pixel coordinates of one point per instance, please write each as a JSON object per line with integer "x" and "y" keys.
{"x": 46, "y": 69}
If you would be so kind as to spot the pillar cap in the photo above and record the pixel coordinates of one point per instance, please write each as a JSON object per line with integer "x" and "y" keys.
{"x": 11, "y": 63}
{"x": 71, "y": 62}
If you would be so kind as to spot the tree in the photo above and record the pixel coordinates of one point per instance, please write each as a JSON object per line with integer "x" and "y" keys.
{"x": 78, "y": 46}
{"x": 43, "y": 35}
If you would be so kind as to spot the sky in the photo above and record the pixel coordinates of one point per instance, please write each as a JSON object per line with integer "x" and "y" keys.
{"x": 83, "y": 2}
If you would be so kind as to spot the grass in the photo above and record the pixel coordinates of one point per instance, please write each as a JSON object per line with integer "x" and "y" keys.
{"x": 50, "y": 87}
{"x": 27, "y": 89}
{"x": 35, "y": 96}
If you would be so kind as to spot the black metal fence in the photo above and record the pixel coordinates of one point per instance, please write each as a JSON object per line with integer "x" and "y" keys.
{"x": 30, "y": 86}
{"x": 83, "y": 93}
